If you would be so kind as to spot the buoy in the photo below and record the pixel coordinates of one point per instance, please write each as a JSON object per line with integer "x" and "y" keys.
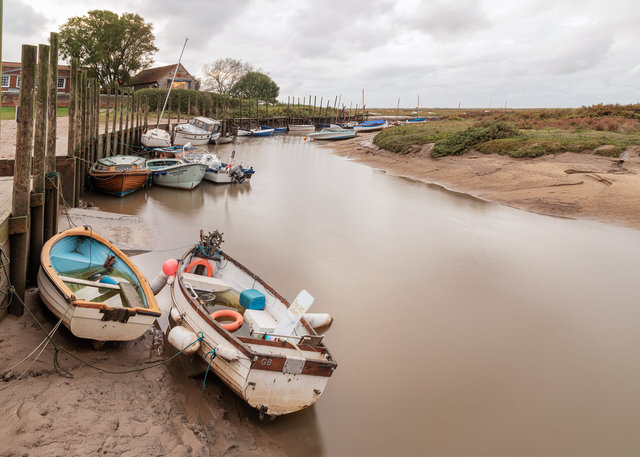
{"x": 170, "y": 267}
{"x": 181, "y": 337}
{"x": 175, "y": 315}
{"x": 106, "y": 280}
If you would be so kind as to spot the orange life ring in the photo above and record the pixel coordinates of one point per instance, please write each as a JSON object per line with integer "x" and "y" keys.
{"x": 203, "y": 262}
{"x": 231, "y": 326}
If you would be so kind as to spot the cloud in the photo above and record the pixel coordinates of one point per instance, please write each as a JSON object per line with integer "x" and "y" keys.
{"x": 22, "y": 20}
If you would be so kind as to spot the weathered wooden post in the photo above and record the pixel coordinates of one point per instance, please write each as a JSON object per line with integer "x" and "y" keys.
{"x": 19, "y": 220}
{"x": 82, "y": 149}
{"x": 114, "y": 134}
{"x": 39, "y": 150}
{"x": 52, "y": 183}
{"x": 71, "y": 137}
{"x": 120, "y": 130}
{"x": 107, "y": 136}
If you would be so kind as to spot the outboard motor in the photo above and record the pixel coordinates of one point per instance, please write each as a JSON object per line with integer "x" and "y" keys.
{"x": 236, "y": 173}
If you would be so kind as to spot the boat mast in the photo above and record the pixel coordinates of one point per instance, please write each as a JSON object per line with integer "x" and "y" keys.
{"x": 172, "y": 79}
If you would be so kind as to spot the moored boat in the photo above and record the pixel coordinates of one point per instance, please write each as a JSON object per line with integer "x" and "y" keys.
{"x": 333, "y": 133}
{"x": 176, "y": 173}
{"x": 416, "y": 120}
{"x": 302, "y": 128}
{"x": 275, "y": 129}
{"x": 262, "y": 131}
{"x": 197, "y": 132}
{"x": 119, "y": 175}
{"x": 156, "y": 138}
{"x": 95, "y": 289}
{"x": 224, "y": 139}
{"x": 220, "y": 172}
{"x": 243, "y": 132}
{"x": 371, "y": 126}
{"x": 269, "y": 355}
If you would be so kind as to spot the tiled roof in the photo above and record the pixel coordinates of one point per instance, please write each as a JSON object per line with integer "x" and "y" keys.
{"x": 151, "y": 75}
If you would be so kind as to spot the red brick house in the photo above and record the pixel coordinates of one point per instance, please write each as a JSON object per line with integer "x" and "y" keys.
{"x": 160, "y": 77}
{"x": 10, "y": 81}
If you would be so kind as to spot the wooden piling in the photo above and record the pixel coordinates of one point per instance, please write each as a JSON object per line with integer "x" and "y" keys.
{"x": 96, "y": 123}
{"x": 126, "y": 132}
{"x": 52, "y": 182}
{"x": 39, "y": 150}
{"x": 84, "y": 129}
{"x": 114, "y": 134}
{"x": 107, "y": 137}
{"x": 120, "y": 131}
{"x": 73, "y": 95}
{"x": 19, "y": 220}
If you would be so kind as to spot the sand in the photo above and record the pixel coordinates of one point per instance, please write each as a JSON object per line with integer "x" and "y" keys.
{"x": 146, "y": 413}
{"x": 8, "y": 137}
{"x": 574, "y": 185}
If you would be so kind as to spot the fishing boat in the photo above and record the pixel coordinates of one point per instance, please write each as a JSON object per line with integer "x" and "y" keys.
{"x": 176, "y": 173}
{"x": 262, "y": 131}
{"x": 156, "y": 138}
{"x": 197, "y": 132}
{"x": 371, "y": 126}
{"x": 302, "y": 128}
{"x": 119, "y": 175}
{"x": 220, "y": 172}
{"x": 269, "y": 355}
{"x": 95, "y": 289}
{"x": 333, "y": 133}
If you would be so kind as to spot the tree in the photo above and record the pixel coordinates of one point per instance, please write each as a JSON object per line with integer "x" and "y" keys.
{"x": 256, "y": 85}
{"x": 223, "y": 74}
{"x": 112, "y": 47}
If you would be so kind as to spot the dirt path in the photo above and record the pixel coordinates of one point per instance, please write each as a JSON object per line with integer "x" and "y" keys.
{"x": 581, "y": 186}
{"x": 8, "y": 138}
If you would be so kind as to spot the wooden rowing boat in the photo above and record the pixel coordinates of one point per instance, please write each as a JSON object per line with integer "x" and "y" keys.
{"x": 99, "y": 293}
{"x": 119, "y": 175}
{"x": 274, "y": 359}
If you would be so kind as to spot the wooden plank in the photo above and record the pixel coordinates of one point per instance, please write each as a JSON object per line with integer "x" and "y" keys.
{"x": 84, "y": 282}
{"x": 130, "y": 294}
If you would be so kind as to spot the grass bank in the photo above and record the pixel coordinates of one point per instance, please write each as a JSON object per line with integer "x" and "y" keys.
{"x": 603, "y": 129}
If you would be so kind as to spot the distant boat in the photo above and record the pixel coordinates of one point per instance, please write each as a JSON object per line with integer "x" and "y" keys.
{"x": 302, "y": 128}
{"x": 416, "y": 120}
{"x": 268, "y": 354}
{"x": 333, "y": 133}
{"x": 275, "y": 129}
{"x": 224, "y": 139}
{"x": 370, "y": 126}
{"x": 243, "y": 132}
{"x": 156, "y": 138}
{"x": 119, "y": 175}
{"x": 95, "y": 289}
{"x": 197, "y": 132}
{"x": 176, "y": 173}
{"x": 262, "y": 131}
{"x": 219, "y": 172}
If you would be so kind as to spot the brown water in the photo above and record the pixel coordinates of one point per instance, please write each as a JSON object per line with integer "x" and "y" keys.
{"x": 462, "y": 328}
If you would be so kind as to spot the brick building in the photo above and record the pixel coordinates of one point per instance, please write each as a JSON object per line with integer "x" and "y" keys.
{"x": 11, "y": 77}
{"x": 160, "y": 77}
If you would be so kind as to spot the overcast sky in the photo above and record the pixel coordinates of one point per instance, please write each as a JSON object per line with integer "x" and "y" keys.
{"x": 482, "y": 53}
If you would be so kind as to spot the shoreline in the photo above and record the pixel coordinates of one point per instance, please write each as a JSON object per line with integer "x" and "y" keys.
{"x": 570, "y": 185}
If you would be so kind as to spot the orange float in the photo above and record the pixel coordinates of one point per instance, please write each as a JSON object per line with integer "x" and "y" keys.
{"x": 231, "y": 326}
{"x": 202, "y": 262}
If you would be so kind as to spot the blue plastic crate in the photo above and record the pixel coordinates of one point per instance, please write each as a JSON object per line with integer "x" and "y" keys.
{"x": 252, "y": 299}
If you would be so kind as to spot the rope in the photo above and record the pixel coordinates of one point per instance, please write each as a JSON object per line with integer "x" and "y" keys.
{"x": 204, "y": 381}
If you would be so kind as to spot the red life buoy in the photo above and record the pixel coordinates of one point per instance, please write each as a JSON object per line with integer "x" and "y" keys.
{"x": 203, "y": 262}
{"x": 231, "y": 326}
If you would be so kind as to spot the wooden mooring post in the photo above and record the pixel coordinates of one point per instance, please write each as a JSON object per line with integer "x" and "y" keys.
{"x": 39, "y": 149}
{"x": 19, "y": 220}
{"x": 52, "y": 183}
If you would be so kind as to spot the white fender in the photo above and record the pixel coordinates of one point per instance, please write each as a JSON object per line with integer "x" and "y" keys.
{"x": 175, "y": 315}
{"x": 181, "y": 337}
{"x": 158, "y": 283}
{"x": 227, "y": 353}
{"x": 317, "y": 320}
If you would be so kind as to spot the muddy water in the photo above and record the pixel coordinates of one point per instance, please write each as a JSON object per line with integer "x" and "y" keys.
{"x": 462, "y": 328}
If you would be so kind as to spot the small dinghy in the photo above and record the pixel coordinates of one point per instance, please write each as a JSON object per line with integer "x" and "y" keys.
{"x": 333, "y": 133}
{"x": 268, "y": 354}
{"x": 176, "y": 173}
{"x": 119, "y": 175}
{"x": 97, "y": 290}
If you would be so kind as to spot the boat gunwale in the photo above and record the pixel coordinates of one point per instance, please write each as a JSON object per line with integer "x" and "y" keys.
{"x": 45, "y": 263}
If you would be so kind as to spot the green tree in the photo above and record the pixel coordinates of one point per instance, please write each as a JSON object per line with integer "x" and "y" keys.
{"x": 112, "y": 47}
{"x": 256, "y": 85}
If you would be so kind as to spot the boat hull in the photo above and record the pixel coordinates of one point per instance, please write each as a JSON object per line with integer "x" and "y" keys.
{"x": 196, "y": 139}
{"x": 119, "y": 183}
{"x": 156, "y": 138}
{"x": 97, "y": 320}
{"x": 184, "y": 176}
{"x": 333, "y": 136}
{"x": 302, "y": 128}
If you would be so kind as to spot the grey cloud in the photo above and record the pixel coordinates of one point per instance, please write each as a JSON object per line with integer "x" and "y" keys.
{"x": 444, "y": 19}
{"x": 22, "y": 20}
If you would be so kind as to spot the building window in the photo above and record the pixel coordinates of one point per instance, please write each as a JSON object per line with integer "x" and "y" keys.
{"x": 5, "y": 80}
{"x": 180, "y": 85}
{"x": 18, "y": 82}
{"x": 61, "y": 83}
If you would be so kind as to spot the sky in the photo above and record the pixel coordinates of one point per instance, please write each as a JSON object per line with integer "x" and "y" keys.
{"x": 449, "y": 53}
